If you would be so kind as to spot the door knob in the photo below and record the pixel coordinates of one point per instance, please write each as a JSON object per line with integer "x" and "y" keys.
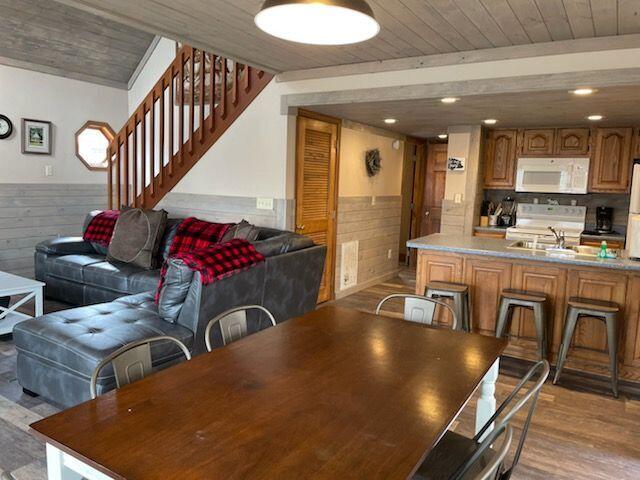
{"x": 426, "y": 214}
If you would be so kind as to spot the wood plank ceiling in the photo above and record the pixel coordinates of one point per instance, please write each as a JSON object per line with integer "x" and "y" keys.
{"x": 429, "y": 117}
{"x": 54, "y": 38}
{"x": 409, "y": 27}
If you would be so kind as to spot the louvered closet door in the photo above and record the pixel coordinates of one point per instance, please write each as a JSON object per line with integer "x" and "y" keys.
{"x": 315, "y": 190}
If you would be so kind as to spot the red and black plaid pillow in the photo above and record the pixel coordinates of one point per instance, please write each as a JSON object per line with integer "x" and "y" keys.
{"x": 100, "y": 228}
{"x": 194, "y": 234}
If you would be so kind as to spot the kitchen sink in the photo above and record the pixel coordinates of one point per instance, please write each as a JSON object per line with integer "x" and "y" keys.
{"x": 551, "y": 249}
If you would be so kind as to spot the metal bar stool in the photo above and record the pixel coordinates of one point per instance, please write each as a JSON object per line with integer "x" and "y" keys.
{"x": 600, "y": 310}
{"x": 509, "y": 299}
{"x": 459, "y": 293}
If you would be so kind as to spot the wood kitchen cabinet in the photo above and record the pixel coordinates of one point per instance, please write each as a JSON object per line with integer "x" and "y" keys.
{"x": 611, "y": 163}
{"x": 542, "y": 279}
{"x": 486, "y": 278}
{"x": 636, "y": 143}
{"x": 500, "y": 159}
{"x": 572, "y": 142}
{"x": 438, "y": 268}
{"x": 539, "y": 142}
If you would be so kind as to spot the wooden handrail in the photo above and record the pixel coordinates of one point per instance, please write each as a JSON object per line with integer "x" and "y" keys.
{"x": 183, "y": 86}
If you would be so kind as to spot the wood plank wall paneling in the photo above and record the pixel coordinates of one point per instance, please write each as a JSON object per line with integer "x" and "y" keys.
{"x": 222, "y": 208}
{"x": 377, "y": 229}
{"x": 31, "y": 213}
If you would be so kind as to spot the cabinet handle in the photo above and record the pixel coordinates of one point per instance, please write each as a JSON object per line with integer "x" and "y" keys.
{"x": 300, "y": 227}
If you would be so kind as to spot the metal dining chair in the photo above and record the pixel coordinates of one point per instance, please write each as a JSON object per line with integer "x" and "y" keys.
{"x": 483, "y": 463}
{"x": 132, "y": 362}
{"x": 456, "y": 446}
{"x": 419, "y": 309}
{"x": 233, "y": 324}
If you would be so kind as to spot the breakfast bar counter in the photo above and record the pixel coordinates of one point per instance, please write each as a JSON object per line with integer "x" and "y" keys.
{"x": 490, "y": 265}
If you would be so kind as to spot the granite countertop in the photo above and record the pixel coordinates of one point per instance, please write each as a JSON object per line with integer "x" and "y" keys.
{"x": 497, "y": 247}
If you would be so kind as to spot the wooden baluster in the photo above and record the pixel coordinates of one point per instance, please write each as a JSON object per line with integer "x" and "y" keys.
{"x": 192, "y": 95}
{"x": 247, "y": 78}
{"x": 212, "y": 94}
{"x": 152, "y": 146}
{"x": 161, "y": 139}
{"x": 223, "y": 89}
{"x": 236, "y": 78}
{"x": 181, "y": 109}
{"x": 202, "y": 69}
{"x": 172, "y": 112}
{"x": 126, "y": 166}
{"x": 109, "y": 176}
{"x": 134, "y": 157}
{"x": 143, "y": 157}
{"x": 118, "y": 174}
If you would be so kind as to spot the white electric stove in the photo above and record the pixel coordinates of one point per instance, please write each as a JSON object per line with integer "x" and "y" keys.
{"x": 533, "y": 222}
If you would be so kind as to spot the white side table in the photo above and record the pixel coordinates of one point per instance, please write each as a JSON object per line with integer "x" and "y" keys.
{"x": 14, "y": 285}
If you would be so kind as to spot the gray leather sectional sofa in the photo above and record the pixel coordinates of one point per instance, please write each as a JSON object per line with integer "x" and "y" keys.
{"x": 58, "y": 352}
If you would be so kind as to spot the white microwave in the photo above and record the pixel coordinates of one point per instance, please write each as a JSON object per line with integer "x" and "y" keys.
{"x": 552, "y": 175}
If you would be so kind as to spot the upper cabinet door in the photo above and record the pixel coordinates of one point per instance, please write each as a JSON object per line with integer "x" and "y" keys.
{"x": 538, "y": 142}
{"x": 611, "y": 163}
{"x": 572, "y": 142}
{"x": 500, "y": 161}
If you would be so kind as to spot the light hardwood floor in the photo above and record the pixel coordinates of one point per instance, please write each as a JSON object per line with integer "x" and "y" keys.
{"x": 574, "y": 435}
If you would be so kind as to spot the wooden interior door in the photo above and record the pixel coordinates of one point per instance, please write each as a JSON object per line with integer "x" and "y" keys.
{"x": 316, "y": 189}
{"x": 434, "y": 183}
{"x": 413, "y": 171}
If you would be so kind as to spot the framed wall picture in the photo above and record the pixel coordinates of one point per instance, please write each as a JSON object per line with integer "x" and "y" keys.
{"x": 36, "y": 136}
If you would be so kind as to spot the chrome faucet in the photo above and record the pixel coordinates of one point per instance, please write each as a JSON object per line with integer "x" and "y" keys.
{"x": 560, "y": 238}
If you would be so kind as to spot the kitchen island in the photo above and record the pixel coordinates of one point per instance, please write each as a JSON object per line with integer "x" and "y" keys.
{"x": 489, "y": 265}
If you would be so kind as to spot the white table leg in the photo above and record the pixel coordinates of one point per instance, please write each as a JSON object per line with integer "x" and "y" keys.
{"x": 486, "y": 405}
{"x": 56, "y": 469}
{"x": 39, "y": 308}
{"x": 62, "y": 466}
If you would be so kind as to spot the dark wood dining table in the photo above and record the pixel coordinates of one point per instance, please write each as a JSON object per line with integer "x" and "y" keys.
{"x": 333, "y": 394}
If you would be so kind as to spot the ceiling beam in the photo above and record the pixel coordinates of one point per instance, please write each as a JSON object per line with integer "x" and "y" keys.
{"x": 521, "y": 84}
{"x": 473, "y": 56}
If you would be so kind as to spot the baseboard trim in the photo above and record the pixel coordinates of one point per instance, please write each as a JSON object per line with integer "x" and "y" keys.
{"x": 369, "y": 283}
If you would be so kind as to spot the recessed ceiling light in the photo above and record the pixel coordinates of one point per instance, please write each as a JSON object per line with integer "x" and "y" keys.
{"x": 490, "y": 121}
{"x": 326, "y": 22}
{"x": 582, "y": 91}
{"x": 390, "y": 121}
{"x": 595, "y": 118}
{"x": 449, "y": 100}
{"x": 443, "y": 136}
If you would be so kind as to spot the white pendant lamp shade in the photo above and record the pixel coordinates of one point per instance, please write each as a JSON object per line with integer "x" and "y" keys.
{"x": 318, "y": 22}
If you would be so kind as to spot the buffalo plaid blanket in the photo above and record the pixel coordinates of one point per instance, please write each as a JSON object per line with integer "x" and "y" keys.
{"x": 100, "y": 228}
{"x": 197, "y": 244}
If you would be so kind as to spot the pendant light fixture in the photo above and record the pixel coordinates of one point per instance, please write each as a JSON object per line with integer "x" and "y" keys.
{"x": 318, "y": 22}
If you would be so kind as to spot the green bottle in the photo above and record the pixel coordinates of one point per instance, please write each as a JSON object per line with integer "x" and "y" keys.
{"x": 603, "y": 250}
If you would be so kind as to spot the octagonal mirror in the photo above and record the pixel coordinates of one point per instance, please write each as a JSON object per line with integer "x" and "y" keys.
{"x": 92, "y": 141}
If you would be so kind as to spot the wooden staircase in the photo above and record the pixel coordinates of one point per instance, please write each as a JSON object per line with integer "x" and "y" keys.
{"x": 197, "y": 98}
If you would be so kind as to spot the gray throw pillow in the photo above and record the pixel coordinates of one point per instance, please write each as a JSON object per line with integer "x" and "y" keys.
{"x": 243, "y": 230}
{"x": 136, "y": 237}
{"x": 175, "y": 288}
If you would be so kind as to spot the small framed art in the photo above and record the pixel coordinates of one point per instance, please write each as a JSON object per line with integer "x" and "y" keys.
{"x": 36, "y": 136}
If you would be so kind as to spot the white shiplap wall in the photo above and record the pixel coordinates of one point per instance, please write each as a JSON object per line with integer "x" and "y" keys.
{"x": 31, "y": 213}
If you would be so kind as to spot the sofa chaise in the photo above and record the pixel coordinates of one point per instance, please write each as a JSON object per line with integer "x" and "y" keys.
{"x": 58, "y": 352}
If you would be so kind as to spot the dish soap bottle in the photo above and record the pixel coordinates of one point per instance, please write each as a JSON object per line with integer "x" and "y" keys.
{"x": 603, "y": 250}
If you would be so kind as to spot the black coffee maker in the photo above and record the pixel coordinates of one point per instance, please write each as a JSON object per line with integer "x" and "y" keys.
{"x": 604, "y": 219}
